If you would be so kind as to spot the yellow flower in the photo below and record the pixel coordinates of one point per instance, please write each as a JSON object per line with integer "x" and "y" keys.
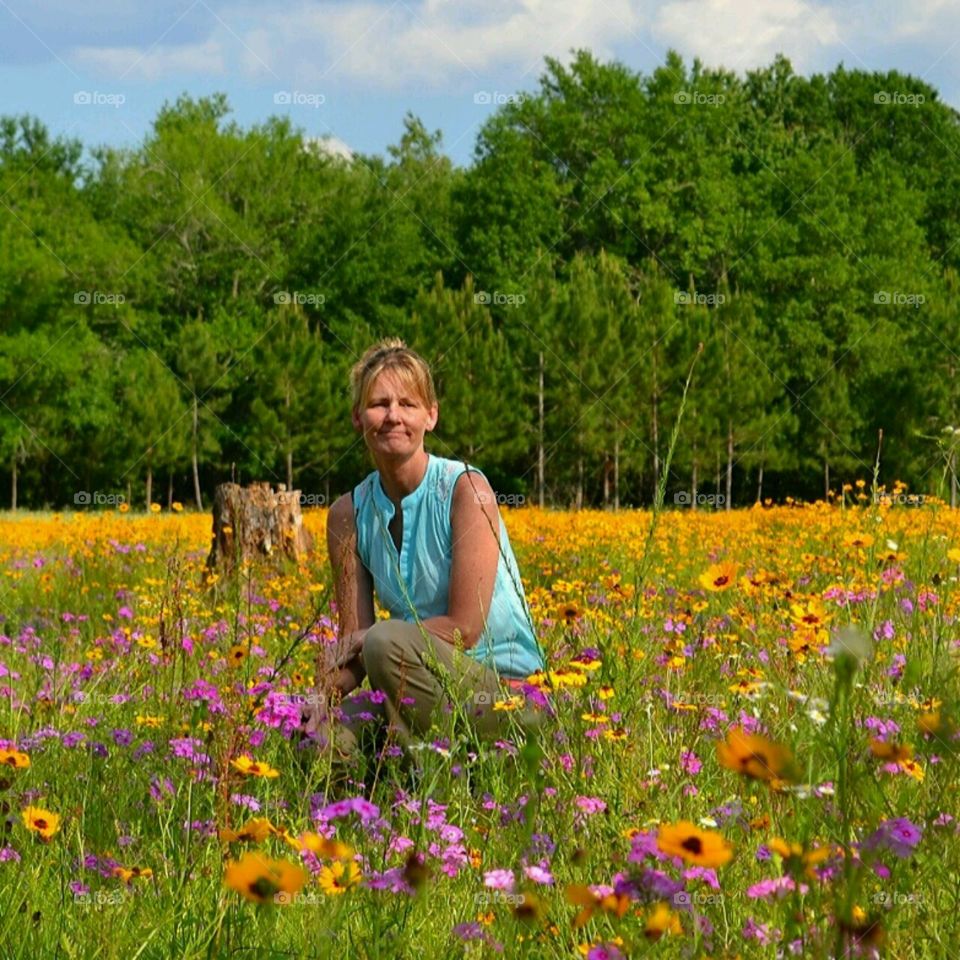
{"x": 260, "y": 880}
{"x": 124, "y": 507}
{"x": 339, "y": 877}
{"x": 252, "y": 768}
{"x": 155, "y": 508}
{"x": 702, "y": 848}
{"x": 754, "y": 756}
{"x": 43, "y": 822}
{"x": 236, "y": 654}
{"x": 128, "y": 875}
{"x": 176, "y": 506}
{"x": 320, "y": 846}
{"x": 254, "y": 831}
{"x": 858, "y": 540}
{"x": 15, "y": 759}
{"x": 508, "y": 705}
{"x": 662, "y": 920}
{"x": 719, "y": 576}
{"x": 567, "y": 678}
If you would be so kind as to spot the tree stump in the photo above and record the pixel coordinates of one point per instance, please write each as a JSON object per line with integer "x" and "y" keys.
{"x": 254, "y": 522}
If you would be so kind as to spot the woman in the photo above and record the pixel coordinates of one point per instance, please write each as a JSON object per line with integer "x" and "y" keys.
{"x": 423, "y": 532}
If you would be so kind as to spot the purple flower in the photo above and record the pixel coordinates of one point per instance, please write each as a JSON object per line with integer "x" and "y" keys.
{"x": 363, "y": 808}
{"x": 899, "y": 836}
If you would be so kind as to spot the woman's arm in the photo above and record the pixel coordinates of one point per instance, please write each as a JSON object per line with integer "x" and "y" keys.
{"x": 353, "y": 591}
{"x": 475, "y": 536}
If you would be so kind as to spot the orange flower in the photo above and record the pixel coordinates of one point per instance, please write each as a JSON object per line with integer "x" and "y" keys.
{"x": 719, "y": 576}
{"x": 260, "y": 880}
{"x": 702, "y": 848}
{"x": 662, "y": 920}
{"x": 15, "y": 759}
{"x": 754, "y": 756}
{"x": 254, "y": 831}
{"x": 248, "y": 766}
{"x": 588, "y": 901}
{"x": 43, "y": 822}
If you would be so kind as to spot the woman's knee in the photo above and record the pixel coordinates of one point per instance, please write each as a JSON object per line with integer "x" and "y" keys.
{"x": 386, "y": 647}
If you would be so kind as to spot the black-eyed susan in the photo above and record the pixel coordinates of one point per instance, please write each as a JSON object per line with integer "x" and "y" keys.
{"x": 40, "y": 821}
{"x": 252, "y": 768}
{"x": 662, "y": 920}
{"x": 155, "y": 508}
{"x": 254, "y": 831}
{"x": 338, "y": 877}
{"x": 321, "y": 847}
{"x": 14, "y": 758}
{"x": 719, "y": 576}
{"x": 858, "y": 540}
{"x": 129, "y": 874}
{"x": 702, "y": 848}
{"x": 589, "y": 902}
{"x": 260, "y": 879}
{"x": 236, "y": 654}
{"x": 891, "y": 752}
{"x": 797, "y": 858}
{"x": 754, "y": 756}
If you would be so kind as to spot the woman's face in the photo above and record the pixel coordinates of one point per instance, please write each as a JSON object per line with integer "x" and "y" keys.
{"x": 394, "y": 420}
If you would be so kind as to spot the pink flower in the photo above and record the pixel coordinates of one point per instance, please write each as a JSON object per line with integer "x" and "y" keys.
{"x": 539, "y": 874}
{"x": 499, "y": 879}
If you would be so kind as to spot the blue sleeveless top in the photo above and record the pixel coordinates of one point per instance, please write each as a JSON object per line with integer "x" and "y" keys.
{"x": 418, "y": 578}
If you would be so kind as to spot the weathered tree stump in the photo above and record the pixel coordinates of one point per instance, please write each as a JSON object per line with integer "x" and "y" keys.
{"x": 254, "y": 522}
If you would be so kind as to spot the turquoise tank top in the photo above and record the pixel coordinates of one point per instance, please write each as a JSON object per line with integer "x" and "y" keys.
{"x": 421, "y": 570}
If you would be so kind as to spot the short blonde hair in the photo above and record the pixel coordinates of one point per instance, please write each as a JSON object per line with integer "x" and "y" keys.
{"x": 394, "y": 355}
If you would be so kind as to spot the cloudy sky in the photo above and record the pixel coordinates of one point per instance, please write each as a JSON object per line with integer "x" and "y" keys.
{"x": 350, "y": 69}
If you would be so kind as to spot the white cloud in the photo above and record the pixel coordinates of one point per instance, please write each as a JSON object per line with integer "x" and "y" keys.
{"x": 331, "y": 145}
{"x": 743, "y": 34}
{"x": 153, "y": 63}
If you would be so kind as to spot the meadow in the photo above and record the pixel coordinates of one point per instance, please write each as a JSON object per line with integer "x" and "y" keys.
{"x": 749, "y": 749}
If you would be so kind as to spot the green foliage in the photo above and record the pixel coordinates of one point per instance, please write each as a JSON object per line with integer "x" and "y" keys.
{"x": 805, "y": 230}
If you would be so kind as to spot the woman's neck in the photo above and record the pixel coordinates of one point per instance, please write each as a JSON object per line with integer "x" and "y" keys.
{"x": 401, "y": 479}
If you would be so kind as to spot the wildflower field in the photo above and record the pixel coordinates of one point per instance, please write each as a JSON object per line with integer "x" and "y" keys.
{"x": 749, "y": 749}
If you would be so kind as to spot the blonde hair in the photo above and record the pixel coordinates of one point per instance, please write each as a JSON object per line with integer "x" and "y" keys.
{"x": 394, "y": 355}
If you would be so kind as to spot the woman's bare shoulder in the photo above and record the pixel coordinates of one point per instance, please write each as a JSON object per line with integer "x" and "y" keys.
{"x": 340, "y": 518}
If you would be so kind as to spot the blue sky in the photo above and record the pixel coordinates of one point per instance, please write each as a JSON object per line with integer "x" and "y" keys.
{"x": 351, "y": 69}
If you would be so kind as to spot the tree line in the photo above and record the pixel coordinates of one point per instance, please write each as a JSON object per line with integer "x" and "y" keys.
{"x": 187, "y": 310}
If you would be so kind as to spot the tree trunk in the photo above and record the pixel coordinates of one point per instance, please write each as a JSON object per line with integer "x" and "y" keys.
{"x": 13, "y": 484}
{"x": 541, "y": 460}
{"x": 826, "y": 478}
{"x": 729, "y": 503}
{"x": 656, "y": 431}
{"x": 693, "y": 481}
{"x": 580, "y": 481}
{"x": 196, "y": 465}
{"x": 289, "y": 469}
{"x": 760, "y": 485}
{"x": 254, "y": 522}
{"x": 149, "y": 487}
{"x": 616, "y": 472}
{"x": 607, "y": 466}
{"x": 170, "y": 490}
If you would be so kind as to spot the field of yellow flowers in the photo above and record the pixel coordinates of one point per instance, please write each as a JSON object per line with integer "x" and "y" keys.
{"x": 749, "y": 749}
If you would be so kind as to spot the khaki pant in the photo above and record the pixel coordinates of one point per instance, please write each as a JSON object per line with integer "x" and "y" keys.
{"x": 423, "y": 679}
